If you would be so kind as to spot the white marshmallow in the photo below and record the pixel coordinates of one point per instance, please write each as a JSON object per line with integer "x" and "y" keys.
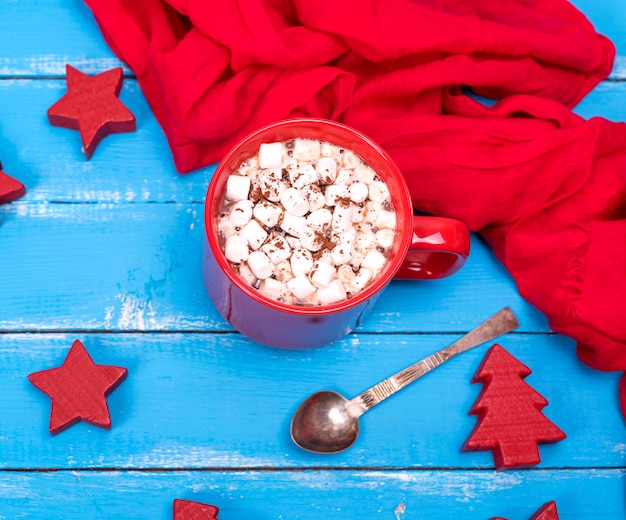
{"x": 273, "y": 289}
{"x": 300, "y": 287}
{"x": 237, "y": 187}
{"x": 271, "y": 187}
{"x": 358, "y": 191}
{"x": 374, "y": 260}
{"x": 334, "y": 192}
{"x": 364, "y": 240}
{"x": 306, "y": 149}
{"x": 294, "y": 202}
{"x": 246, "y": 275}
{"x": 346, "y": 274}
{"x": 236, "y": 249}
{"x": 226, "y": 228}
{"x": 335, "y": 292}
{"x": 314, "y": 197}
{"x": 326, "y": 169}
{"x": 270, "y": 155}
{"x": 342, "y": 217}
{"x": 344, "y": 176}
{"x": 329, "y": 150}
{"x": 372, "y": 210}
{"x": 254, "y": 233}
{"x": 320, "y": 219}
{"x": 301, "y": 262}
{"x": 357, "y": 259}
{"x": 292, "y": 224}
{"x": 362, "y": 279}
{"x": 241, "y": 212}
{"x": 384, "y": 237}
{"x": 267, "y": 213}
{"x": 322, "y": 274}
{"x": 283, "y": 271}
{"x": 260, "y": 265}
{"x": 294, "y": 242}
{"x": 277, "y": 250}
{"x": 342, "y": 253}
{"x": 378, "y": 191}
{"x": 349, "y": 159}
{"x": 364, "y": 173}
{"x": 386, "y": 219}
{"x": 311, "y": 239}
{"x": 358, "y": 212}
{"x": 302, "y": 176}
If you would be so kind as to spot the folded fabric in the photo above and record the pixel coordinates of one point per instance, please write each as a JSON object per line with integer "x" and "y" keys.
{"x": 545, "y": 188}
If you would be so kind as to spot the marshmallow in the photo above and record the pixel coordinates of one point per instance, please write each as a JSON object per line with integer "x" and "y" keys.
{"x": 260, "y": 265}
{"x": 361, "y": 280}
{"x": 372, "y": 210}
{"x": 364, "y": 240}
{"x": 326, "y": 169}
{"x": 322, "y": 274}
{"x": 301, "y": 262}
{"x": 306, "y": 149}
{"x": 302, "y": 176}
{"x": 249, "y": 168}
{"x": 294, "y": 202}
{"x": 342, "y": 217}
{"x": 241, "y": 212}
{"x": 374, "y": 260}
{"x": 320, "y": 219}
{"x": 350, "y": 160}
{"x": 344, "y": 176}
{"x": 342, "y": 253}
{"x": 271, "y": 187}
{"x": 237, "y": 187}
{"x": 311, "y": 239}
{"x": 378, "y": 191}
{"x": 335, "y": 192}
{"x": 335, "y": 292}
{"x": 277, "y": 250}
{"x": 267, "y": 213}
{"x": 346, "y": 274}
{"x": 254, "y": 233}
{"x": 358, "y": 212}
{"x": 364, "y": 173}
{"x": 270, "y": 155}
{"x": 384, "y": 237}
{"x": 386, "y": 219}
{"x": 358, "y": 191}
{"x": 314, "y": 196}
{"x": 294, "y": 242}
{"x": 236, "y": 249}
{"x": 246, "y": 275}
{"x": 283, "y": 271}
{"x": 226, "y": 228}
{"x": 329, "y": 150}
{"x": 300, "y": 287}
{"x": 292, "y": 224}
{"x": 273, "y": 289}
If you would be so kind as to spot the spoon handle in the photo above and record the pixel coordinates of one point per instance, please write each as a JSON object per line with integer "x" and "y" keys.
{"x": 500, "y": 323}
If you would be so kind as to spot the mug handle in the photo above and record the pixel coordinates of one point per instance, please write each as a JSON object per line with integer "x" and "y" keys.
{"x": 439, "y": 248}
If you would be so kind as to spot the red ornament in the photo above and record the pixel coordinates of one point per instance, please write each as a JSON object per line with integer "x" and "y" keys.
{"x": 546, "y": 512}
{"x": 510, "y": 421}
{"x": 10, "y": 189}
{"x": 92, "y": 107}
{"x": 78, "y": 389}
{"x": 186, "y": 510}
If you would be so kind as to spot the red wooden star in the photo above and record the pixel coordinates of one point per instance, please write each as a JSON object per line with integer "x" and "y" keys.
{"x": 10, "y": 189}
{"x": 78, "y": 389}
{"x": 187, "y": 510}
{"x": 92, "y": 107}
{"x": 546, "y": 512}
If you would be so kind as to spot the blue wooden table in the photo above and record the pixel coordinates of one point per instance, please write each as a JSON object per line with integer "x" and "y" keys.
{"x": 107, "y": 251}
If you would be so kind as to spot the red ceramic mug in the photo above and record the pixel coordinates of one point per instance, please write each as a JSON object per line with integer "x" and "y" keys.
{"x": 424, "y": 248}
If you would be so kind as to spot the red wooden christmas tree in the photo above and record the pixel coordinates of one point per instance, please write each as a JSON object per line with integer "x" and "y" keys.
{"x": 187, "y": 510}
{"x": 510, "y": 420}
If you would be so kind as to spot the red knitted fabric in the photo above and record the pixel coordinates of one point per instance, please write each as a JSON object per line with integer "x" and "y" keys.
{"x": 545, "y": 188}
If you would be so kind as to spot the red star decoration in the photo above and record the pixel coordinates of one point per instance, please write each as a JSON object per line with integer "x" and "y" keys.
{"x": 546, "y": 512}
{"x": 186, "y": 510}
{"x": 78, "y": 389}
{"x": 10, "y": 189}
{"x": 92, "y": 107}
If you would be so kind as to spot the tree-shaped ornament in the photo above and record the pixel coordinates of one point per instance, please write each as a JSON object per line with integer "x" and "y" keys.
{"x": 510, "y": 418}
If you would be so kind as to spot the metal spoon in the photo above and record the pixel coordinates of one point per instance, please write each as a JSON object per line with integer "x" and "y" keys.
{"x": 327, "y": 422}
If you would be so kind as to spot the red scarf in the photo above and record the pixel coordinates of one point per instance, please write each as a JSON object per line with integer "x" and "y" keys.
{"x": 545, "y": 188}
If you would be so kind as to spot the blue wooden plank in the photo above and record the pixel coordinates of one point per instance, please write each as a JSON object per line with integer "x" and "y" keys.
{"x": 345, "y": 495}
{"x": 219, "y": 401}
{"x": 137, "y": 267}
